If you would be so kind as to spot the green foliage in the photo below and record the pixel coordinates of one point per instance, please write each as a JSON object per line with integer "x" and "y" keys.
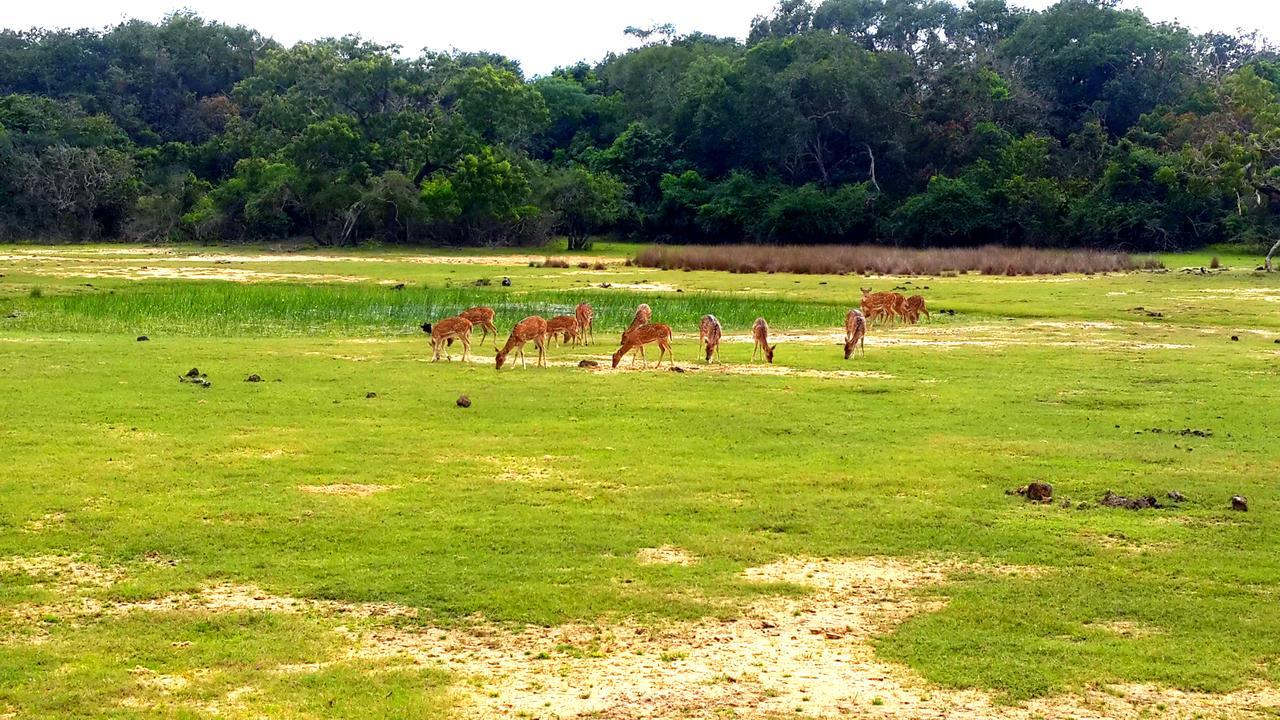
{"x": 1084, "y": 123}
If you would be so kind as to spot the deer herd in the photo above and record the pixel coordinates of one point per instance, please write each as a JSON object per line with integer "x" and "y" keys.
{"x": 578, "y": 328}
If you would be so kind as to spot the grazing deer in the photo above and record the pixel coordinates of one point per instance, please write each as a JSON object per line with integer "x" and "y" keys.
{"x": 760, "y": 331}
{"x": 643, "y": 335}
{"x": 444, "y": 331}
{"x": 531, "y": 329}
{"x": 586, "y": 323}
{"x": 566, "y": 325}
{"x": 879, "y": 305}
{"x": 915, "y": 306}
{"x": 709, "y": 334}
{"x": 483, "y": 318}
{"x": 855, "y": 333}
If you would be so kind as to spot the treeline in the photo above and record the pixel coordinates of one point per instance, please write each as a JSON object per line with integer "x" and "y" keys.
{"x": 913, "y": 122}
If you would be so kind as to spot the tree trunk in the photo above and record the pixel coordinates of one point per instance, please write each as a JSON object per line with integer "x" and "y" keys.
{"x": 1272, "y": 253}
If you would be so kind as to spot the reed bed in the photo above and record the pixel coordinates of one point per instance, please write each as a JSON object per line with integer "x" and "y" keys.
{"x": 225, "y": 309}
{"x": 883, "y": 260}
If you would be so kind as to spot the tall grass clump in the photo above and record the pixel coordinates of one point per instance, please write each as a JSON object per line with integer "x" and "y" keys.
{"x": 882, "y": 260}
{"x": 228, "y": 309}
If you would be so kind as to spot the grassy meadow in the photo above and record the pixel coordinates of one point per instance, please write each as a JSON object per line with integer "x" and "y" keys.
{"x": 122, "y": 488}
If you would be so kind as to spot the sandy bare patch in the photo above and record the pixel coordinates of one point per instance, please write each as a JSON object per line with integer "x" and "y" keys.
{"x": 150, "y": 679}
{"x": 1126, "y": 628}
{"x": 785, "y": 653}
{"x": 64, "y": 572}
{"x": 44, "y": 522}
{"x": 665, "y": 555}
{"x": 231, "y": 274}
{"x": 647, "y": 286}
{"x": 347, "y": 489}
{"x": 168, "y": 255}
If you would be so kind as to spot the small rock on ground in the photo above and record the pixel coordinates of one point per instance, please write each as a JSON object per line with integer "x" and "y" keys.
{"x": 464, "y": 401}
{"x": 1239, "y": 504}
{"x": 254, "y": 378}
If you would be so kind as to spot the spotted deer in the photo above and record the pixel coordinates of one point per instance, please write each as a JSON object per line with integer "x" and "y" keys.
{"x": 709, "y": 334}
{"x": 879, "y": 305}
{"x": 760, "y": 332}
{"x": 482, "y": 317}
{"x": 855, "y": 333}
{"x": 563, "y": 325}
{"x": 586, "y": 323}
{"x": 642, "y": 317}
{"x": 444, "y": 331}
{"x": 637, "y": 338}
{"x": 531, "y": 329}
{"x": 915, "y": 307}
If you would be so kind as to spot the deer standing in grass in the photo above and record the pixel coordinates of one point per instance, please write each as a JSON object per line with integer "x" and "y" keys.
{"x": 637, "y": 338}
{"x": 482, "y": 317}
{"x": 586, "y": 323}
{"x": 445, "y": 331}
{"x": 879, "y": 305}
{"x": 915, "y": 306}
{"x": 760, "y": 332}
{"x": 566, "y": 325}
{"x": 709, "y": 334}
{"x": 642, "y": 317}
{"x": 531, "y": 329}
{"x": 855, "y": 333}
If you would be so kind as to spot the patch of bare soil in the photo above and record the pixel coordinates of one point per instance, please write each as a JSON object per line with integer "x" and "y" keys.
{"x": 665, "y": 555}
{"x": 232, "y": 274}
{"x": 347, "y": 489}
{"x": 63, "y": 572}
{"x": 44, "y": 522}
{"x": 811, "y": 652}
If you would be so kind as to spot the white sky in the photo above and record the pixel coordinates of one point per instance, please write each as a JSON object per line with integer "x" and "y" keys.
{"x": 541, "y": 34}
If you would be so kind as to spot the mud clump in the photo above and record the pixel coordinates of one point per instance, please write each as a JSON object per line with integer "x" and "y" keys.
{"x": 143, "y": 338}
{"x": 675, "y": 369}
{"x": 1176, "y": 496}
{"x": 1239, "y": 503}
{"x": 1036, "y": 492}
{"x": 588, "y": 364}
{"x": 194, "y": 373}
{"x": 370, "y": 395}
{"x": 464, "y": 401}
{"x": 254, "y": 378}
{"x": 1113, "y": 500}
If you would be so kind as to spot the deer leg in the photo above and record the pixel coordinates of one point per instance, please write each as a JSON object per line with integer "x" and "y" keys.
{"x": 466, "y": 346}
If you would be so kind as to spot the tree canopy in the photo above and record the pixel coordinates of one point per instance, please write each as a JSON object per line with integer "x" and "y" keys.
{"x": 904, "y": 121}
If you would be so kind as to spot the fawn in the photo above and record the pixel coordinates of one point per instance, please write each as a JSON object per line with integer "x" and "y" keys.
{"x": 637, "y": 338}
{"x": 915, "y": 306}
{"x": 566, "y": 325}
{"x": 532, "y": 328}
{"x": 586, "y": 323}
{"x": 855, "y": 333}
{"x": 709, "y": 334}
{"x": 444, "y": 331}
{"x": 760, "y": 331}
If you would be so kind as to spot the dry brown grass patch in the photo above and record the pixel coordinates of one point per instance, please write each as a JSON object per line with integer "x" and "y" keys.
{"x": 665, "y": 555}
{"x": 347, "y": 489}
{"x": 882, "y": 260}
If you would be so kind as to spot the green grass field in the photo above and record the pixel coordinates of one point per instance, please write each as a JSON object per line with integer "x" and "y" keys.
{"x": 299, "y": 548}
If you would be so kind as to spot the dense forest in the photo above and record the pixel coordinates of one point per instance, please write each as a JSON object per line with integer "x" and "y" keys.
{"x": 911, "y": 122}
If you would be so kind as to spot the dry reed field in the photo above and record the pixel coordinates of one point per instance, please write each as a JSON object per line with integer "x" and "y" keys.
{"x": 882, "y": 260}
